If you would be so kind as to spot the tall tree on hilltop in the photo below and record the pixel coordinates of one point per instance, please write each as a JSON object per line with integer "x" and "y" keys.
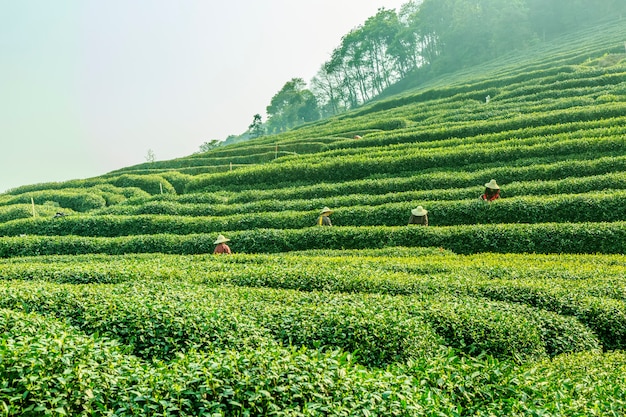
{"x": 325, "y": 88}
{"x": 256, "y": 128}
{"x": 441, "y": 35}
{"x": 291, "y": 106}
{"x": 379, "y": 32}
{"x": 363, "y": 65}
{"x": 407, "y": 47}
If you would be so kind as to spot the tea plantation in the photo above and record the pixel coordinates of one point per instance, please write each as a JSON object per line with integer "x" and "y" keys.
{"x": 515, "y": 307}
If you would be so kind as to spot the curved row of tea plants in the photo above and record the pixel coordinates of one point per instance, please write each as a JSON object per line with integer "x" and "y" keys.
{"x": 607, "y": 206}
{"x": 267, "y": 202}
{"x": 89, "y": 375}
{"x": 503, "y": 238}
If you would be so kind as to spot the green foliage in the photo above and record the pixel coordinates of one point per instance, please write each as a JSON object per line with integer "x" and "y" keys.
{"x": 168, "y": 307}
{"x": 176, "y": 179}
{"x": 515, "y": 307}
{"x": 77, "y": 200}
{"x": 344, "y": 168}
{"x": 152, "y": 184}
{"x": 388, "y": 124}
{"x": 291, "y": 106}
{"x": 511, "y": 238}
{"x": 25, "y": 211}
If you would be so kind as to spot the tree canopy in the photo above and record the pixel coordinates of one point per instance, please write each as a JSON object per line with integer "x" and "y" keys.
{"x": 425, "y": 38}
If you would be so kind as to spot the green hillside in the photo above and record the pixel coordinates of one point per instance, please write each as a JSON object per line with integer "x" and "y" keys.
{"x": 513, "y": 307}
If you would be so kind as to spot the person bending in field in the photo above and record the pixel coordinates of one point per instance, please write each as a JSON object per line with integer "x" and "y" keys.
{"x": 324, "y": 220}
{"x": 222, "y": 247}
{"x": 419, "y": 216}
{"x": 492, "y": 191}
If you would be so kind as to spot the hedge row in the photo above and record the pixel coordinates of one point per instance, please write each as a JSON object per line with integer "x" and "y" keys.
{"x": 150, "y": 184}
{"x": 590, "y": 207}
{"x": 77, "y": 199}
{"x": 300, "y": 146}
{"x": 582, "y": 290}
{"x": 522, "y": 137}
{"x": 89, "y": 375}
{"x": 160, "y": 320}
{"x": 531, "y": 169}
{"x": 581, "y": 115}
{"x": 23, "y": 211}
{"x": 343, "y": 169}
{"x": 267, "y": 202}
{"x": 244, "y": 158}
{"x": 155, "y": 320}
{"x": 388, "y": 270}
{"x": 502, "y": 238}
{"x": 510, "y": 124}
{"x": 439, "y": 149}
{"x": 590, "y": 274}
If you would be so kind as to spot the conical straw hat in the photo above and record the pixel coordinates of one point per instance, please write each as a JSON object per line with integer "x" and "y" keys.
{"x": 221, "y": 239}
{"x": 492, "y": 184}
{"x": 419, "y": 211}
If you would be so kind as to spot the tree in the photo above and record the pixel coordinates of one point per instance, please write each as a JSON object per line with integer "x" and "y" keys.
{"x": 326, "y": 91}
{"x": 256, "y": 128}
{"x": 150, "y": 157}
{"x": 291, "y": 106}
{"x": 207, "y": 146}
{"x": 368, "y": 60}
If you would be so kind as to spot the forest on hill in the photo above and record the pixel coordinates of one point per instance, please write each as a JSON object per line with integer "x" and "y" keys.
{"x": 422, "y": 40}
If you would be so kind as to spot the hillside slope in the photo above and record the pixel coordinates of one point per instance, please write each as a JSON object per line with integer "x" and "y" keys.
{"x": 115, "y": 307}
{"x": 547, "y": 125}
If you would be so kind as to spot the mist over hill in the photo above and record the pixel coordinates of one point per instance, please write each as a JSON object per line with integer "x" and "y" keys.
{"x": 394, "y": 51}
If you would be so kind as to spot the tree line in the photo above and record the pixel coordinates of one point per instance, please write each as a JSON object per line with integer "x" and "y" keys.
{"x": 425, "y": 38}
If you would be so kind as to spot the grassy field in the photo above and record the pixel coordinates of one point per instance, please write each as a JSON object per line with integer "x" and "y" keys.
{"x": 515, "y": 307}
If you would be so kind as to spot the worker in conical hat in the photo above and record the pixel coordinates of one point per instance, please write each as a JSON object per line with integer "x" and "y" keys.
{"x": 419, "y": 216}
{"x": 222, "y": 247}
{"x": 324, "y": 220}
{"x": 492, "y": 191}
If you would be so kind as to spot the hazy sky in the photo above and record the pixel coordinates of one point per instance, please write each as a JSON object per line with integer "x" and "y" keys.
{"x": 89, "y": 86}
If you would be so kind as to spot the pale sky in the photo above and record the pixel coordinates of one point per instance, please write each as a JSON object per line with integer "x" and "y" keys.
{"x": 90, "y": 86}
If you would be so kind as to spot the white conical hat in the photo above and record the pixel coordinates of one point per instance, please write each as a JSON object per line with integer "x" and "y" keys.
{"x": 492, "y": 184}
{"x": 419, "y": 211}
{"x": 326, "y": 210}
{"x": 221, "y": 239}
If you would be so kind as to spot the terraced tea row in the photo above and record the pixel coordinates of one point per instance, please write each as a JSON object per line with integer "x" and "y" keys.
{"x": 89, "y": 374}
{"x": 364, "y": 166}
{"x": 503, "y": 238}
{"x": 366, "y": 319}
{"x": 591, "y": 289}
{"x": 607, "y": 206}
{"x": 571, "y": 168}
{"x": 267, "y": 202}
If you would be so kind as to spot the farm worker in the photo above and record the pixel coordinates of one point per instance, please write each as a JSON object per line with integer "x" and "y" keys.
{"x": 419, "y": 216}
{"x": 221, "y": 247}
{"x": 358, "y": 137}
{"x": 492, "y": 191}
{"x": 324, "y": 220}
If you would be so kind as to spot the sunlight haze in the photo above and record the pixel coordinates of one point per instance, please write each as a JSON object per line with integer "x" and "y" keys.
{"x": 87, "y": 87}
